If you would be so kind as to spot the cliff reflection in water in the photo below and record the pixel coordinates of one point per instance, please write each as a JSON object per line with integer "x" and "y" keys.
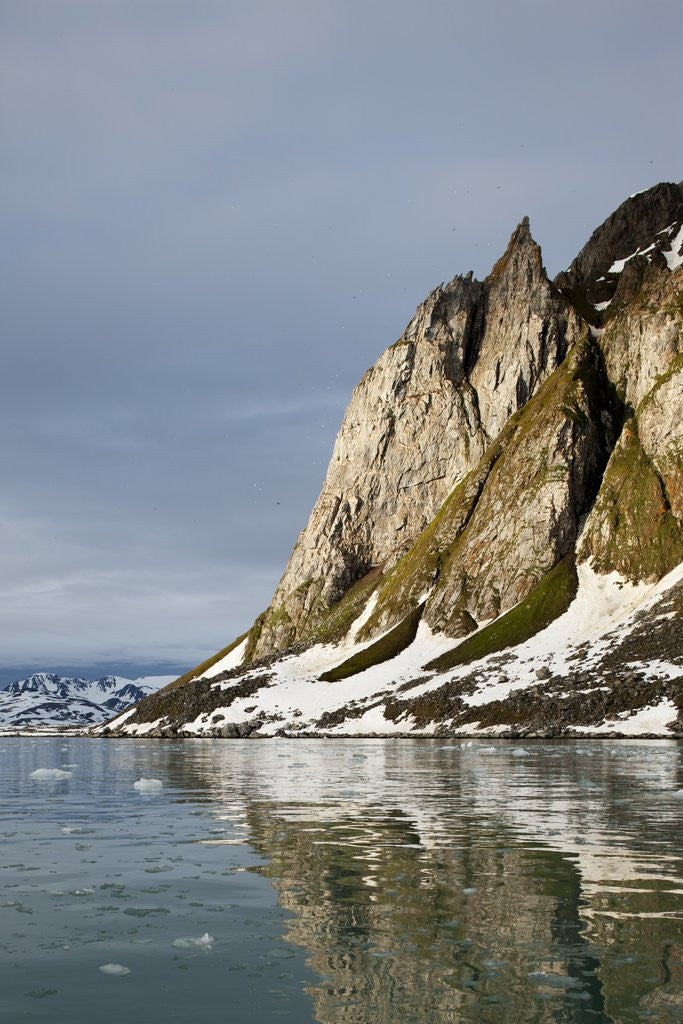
{"x": 472, "y": 883}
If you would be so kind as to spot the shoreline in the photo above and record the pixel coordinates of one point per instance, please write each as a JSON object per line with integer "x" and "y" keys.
{"x": 488, "y": 737}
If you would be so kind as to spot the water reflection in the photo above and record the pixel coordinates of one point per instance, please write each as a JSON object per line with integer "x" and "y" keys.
{"x": 424, "y": 882}
{"x": 475, "y": 883}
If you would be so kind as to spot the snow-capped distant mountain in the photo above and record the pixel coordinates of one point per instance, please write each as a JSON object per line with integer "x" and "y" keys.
{"x": 45, "y": 699}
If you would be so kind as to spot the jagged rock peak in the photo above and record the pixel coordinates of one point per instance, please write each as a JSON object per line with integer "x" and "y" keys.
{"x": 522, "y": 234}
{"x": 418, "y": 422}
{"x": 521, "y": 241}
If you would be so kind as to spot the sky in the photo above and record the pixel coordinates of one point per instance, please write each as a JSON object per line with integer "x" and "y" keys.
{"x": 214, "y": 217}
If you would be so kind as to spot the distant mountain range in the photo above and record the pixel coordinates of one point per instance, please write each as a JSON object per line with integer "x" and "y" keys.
{"x": 47, "y": 700}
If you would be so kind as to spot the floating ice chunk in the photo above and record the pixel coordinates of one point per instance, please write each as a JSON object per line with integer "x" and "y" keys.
{"x": 486, "y": 750}
{"x": 552, "y": 980}
{"x": 469, "y": 891}
{"x": 50, "y": 775}
{"x": 148, "y": 785}
{"x": 679, "y": 793}
{"x": 204, "y": 941}
{"x": 520, "y": 752}
{"x": 118, "y": 969}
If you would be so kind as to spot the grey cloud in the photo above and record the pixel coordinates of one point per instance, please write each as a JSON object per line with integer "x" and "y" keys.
{"x": 215, "y": 216}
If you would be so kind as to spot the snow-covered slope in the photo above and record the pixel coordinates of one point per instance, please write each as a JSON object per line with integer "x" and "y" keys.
{"x": 48, "y": 700}
{"x": 612, "y": 664}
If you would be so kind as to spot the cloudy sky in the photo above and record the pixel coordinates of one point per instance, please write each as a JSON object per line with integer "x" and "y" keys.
{"x": 215, "y": 215}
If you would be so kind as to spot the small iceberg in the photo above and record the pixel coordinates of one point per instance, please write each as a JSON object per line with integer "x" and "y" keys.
{"x": 552, "y": 980}
{"x": 520, "y": 752}
{"x": 204, "y": 941}
{"x": 116, "y": 969}
{"x": 50, "y": 775}
{"x": 148, "y": 785}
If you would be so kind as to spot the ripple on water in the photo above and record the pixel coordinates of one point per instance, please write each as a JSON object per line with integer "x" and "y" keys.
{"x": 373, "y": 882}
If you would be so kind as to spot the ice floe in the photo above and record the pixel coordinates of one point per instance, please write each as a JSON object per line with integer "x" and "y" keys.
{"x": 148, "y": 785}
{"x": 204, "y": 941}
{"x": 50, "y": 775}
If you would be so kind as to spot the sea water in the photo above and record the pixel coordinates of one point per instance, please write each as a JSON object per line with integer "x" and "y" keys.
{"x": 383, "y": 881}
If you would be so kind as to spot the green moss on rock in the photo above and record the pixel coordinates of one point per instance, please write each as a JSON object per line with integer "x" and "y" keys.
{"x": 254, "y": 636}
{"x": 199, "y": 670}
{"x": 631, "y": 529}
{"x": 454, "y": 557}
{"x": 549, "y": 599}
{"x": 387, "y": 647}
{"x": 333, "y": 624}
{"x": 417, "y": 570}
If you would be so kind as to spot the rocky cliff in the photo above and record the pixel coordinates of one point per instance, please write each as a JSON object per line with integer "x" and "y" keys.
{"x": 421, "y": 418}
{"x": 510, "y": 467}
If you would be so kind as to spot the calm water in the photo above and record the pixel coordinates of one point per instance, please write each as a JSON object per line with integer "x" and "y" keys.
{"x": 360, "y": 881}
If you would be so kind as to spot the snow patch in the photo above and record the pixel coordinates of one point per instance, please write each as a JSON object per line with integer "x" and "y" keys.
{"x": 121, "y": 719}
{"x": 141, "y": 728}
{"x": 231, "y": 660}
{"x": 358, "y": 623}
{"x": 674, "y": 255}
{"x": 653, "y": 719}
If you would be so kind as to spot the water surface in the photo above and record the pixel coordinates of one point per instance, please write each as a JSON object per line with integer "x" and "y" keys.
{"x": 387, "y": 881}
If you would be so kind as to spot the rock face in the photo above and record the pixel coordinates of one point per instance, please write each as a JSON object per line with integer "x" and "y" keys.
{"x": 515, "y": 516}
{"x": 632, "y": 528}
{"x": 518, "y": 446}
{"x": 642, "y": 338}
{"x": 418, "y": 422}
{"x": 636, "y": 525}
{"x": 647, "y": 223}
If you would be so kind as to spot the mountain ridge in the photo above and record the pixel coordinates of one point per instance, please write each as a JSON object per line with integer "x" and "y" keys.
{"x": 48, "y": 700}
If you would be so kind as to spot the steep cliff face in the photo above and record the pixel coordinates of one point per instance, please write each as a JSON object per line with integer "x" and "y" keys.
{"x": 636, "y": 525}
{"x": 642, "y": 229}
{"x": 515, "y": 516}
{"x": 420, "y": 420}
{"x": 503, "y": 512}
